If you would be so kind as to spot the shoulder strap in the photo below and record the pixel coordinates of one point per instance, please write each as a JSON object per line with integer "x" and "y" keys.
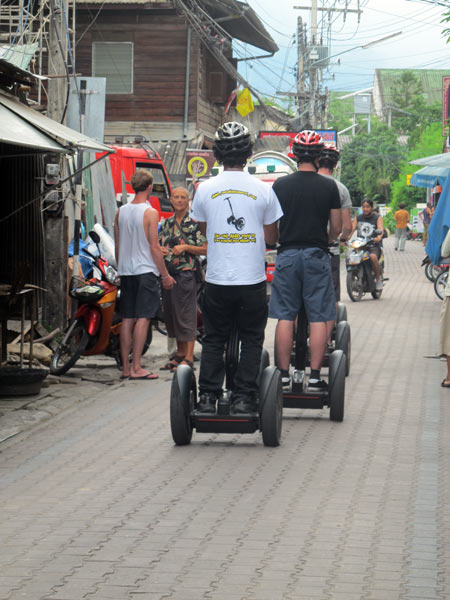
{"x": 181, "y": 231}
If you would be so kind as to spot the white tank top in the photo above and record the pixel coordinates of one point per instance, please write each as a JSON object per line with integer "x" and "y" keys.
{"x": 135, "y": 256}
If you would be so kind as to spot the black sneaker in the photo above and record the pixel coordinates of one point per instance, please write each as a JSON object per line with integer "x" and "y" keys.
{"x": 207, "y": 403}
{"x": 317, "y": 385}
{"x": 244, "y": 405}
{"x": 285, "y": 380}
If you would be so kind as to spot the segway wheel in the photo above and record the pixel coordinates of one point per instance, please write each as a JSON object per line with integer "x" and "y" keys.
{"x": 341, "y": 312}
{"x": 271, "y": 406}
{"x": 343, "y": 342}
{"x": 336, "y": 385}
{"x": 183, "y": 397}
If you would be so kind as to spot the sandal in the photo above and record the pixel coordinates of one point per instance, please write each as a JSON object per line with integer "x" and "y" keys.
{"x": 172, "y": 364}
{"x": 187, "y": 362}
{"x": 445, "y": 384}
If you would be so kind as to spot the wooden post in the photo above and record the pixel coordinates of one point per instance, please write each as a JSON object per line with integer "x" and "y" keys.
{"x": 55, "y": 237}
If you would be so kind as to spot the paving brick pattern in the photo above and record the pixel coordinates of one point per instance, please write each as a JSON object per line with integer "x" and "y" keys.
{"x": 97, "y": 503}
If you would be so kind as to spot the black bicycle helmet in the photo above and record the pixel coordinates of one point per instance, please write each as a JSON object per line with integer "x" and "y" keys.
{"x": 233, "y": 144}
{"x": 307, "y": 146}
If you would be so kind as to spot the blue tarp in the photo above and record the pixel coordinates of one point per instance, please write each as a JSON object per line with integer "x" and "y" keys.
{"x": 440, "y": 224}
{"x": 428, "y": 177}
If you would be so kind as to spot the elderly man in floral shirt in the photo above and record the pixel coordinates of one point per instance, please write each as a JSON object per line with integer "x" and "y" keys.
{"x": 181, "y": 241}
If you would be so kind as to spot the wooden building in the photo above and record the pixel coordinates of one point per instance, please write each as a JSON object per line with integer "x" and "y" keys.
{"x": 163, "y": 79}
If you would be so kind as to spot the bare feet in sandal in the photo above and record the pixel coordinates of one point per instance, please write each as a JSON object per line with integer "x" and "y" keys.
{"x": 172, "y": 364}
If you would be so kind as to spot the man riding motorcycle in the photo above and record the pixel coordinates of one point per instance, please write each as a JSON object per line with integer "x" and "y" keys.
{"x": 366, "y": 223}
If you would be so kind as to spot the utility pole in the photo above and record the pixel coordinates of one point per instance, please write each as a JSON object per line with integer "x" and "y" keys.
{"x": 312, "y": 104}
{"x": 55, "y": 232}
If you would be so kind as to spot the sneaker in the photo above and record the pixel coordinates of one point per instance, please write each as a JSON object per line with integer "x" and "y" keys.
{"x": 285, "y": 380}
{"x": 207, "y": 403}
{"x": 317, "y": 385}
{"x": 379, "y": 285}
{"x": 244, "y": 405}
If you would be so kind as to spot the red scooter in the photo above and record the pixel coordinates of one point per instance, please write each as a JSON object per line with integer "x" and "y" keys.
{"x": 95, "y": 327}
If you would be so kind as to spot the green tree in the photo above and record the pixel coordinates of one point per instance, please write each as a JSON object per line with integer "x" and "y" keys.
{"x": 430, "y": 142}
{"x": 370, "y": 164}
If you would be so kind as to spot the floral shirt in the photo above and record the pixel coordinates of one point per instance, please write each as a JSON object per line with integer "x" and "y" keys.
{"x": 169, "y": 236}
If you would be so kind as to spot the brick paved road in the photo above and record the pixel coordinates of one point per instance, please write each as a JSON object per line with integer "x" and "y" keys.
{"x": 97, "y": 503}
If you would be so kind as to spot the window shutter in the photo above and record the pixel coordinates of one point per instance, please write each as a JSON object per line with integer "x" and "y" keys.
{"x": 114, "y": 60}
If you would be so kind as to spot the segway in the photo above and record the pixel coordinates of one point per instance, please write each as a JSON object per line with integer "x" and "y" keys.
{"x": 341, "y": 338}
{"x": 298, "y": 396}
{"x": 185, "y": 415}
{"x": 239, "y": 222}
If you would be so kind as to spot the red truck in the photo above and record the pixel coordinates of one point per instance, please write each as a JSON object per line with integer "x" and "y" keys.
{"x": 139, "y": 155}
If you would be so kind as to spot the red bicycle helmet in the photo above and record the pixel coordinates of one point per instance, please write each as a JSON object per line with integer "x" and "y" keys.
{"x": 307, "y": 146}
{"x": 330, "y": 152}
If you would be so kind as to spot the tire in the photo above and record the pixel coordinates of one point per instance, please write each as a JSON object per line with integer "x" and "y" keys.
{"x": 355, "y": 285}
{"x": 183, "y": 398}
{"x": 336, "y": 385}
{"x": 341, "y": 312}
{"x": 271, "y": 406}
{"x": 70, "y": 348}
{"x": 343, "y": 342}
{"x": 432, "y": 271}
{"x": 376, "y": 295}
{"x": 440, "y": 283}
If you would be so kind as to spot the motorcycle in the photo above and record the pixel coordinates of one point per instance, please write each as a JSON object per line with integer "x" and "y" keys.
{"x": 360, "y": 275}
{"x": 95, "y": 326}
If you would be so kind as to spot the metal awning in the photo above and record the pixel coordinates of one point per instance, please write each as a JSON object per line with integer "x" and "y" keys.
{"x": 34, "y": 122}
{"x": 17, "y": 132}
{"x": 435, "y": 160}
{"x": 428, "y": 177}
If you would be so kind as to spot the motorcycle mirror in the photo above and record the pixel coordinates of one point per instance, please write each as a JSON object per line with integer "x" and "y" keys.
{"x": 94, "y": 237}
{"x": 378, "y": 231}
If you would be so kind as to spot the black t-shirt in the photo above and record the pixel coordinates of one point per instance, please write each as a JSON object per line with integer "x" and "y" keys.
{"x": 306, "y": 199}
{"x": 366, "y": 224}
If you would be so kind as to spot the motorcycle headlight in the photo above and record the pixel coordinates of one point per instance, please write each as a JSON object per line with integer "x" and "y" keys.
{"x": 357, "y": 244}
{"x": 110, "y": 274}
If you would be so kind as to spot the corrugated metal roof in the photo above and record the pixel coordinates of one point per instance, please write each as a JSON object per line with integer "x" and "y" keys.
{"x": 69, "y": 138}
{"x": 431, "y": 80}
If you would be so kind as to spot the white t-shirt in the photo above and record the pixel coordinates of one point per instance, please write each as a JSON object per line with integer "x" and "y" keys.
{"x": 235, "y": 207}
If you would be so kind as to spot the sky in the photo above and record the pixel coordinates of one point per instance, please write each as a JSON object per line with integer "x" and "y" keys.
{"x": 420, "y": 45}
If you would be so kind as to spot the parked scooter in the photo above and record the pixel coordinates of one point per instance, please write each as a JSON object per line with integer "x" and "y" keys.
{"x": 95, "y": 327}
{"x": 360, "y": 275}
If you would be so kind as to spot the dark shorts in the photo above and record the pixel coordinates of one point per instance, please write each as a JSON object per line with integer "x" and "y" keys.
{"x": 303, "y": 278}
{"x": 375, "y": 250}
{"x": 180, "y": 307}
{"x": 139, "y": 296}
{"x": 336, "y": 275}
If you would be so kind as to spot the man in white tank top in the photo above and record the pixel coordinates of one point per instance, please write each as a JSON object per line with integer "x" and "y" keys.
{"x": 140, "y": 263}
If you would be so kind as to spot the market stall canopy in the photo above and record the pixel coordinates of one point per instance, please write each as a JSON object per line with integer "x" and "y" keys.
{"x": 435, "y": 160}
{"x": 428, "y": 177}
{"x": 16, "y": 131}
{"x": 33, "y": 123}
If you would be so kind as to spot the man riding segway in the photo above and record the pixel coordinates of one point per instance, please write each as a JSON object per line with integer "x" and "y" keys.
{"x": 235, "y": 288}
{"x": 302, "y": 274}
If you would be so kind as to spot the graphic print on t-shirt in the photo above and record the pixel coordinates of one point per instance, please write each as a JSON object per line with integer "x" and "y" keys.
{"x": 365, "y": 229}
{"x": 239, "y": 222}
